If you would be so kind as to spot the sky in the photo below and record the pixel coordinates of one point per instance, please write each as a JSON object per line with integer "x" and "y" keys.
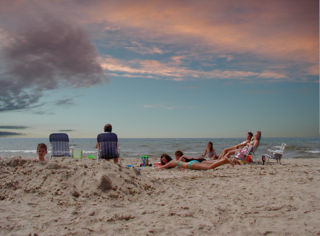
{"x": 159, "y": 68}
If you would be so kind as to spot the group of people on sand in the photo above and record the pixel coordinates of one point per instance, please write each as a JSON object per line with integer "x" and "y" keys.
{"x": 200, "y": 163}
{"x": 187, "y": 162}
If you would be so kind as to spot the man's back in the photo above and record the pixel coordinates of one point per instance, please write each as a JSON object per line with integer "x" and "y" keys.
{"x": 108, "y": 145}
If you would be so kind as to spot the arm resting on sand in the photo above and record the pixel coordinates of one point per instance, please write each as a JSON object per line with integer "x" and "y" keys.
{"x": 168, "y": 165}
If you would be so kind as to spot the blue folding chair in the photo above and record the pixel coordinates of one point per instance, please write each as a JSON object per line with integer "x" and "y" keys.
{"x": 60, "y": 145}
{"x": 108, "y": 146}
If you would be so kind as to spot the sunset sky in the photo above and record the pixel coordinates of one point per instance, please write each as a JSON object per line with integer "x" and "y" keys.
{"x": 159, "y": 69}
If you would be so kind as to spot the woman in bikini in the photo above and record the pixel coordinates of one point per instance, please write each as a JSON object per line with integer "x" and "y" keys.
{"x": 210, "y": 152}
{"x": 181, "y": 157}
{"x": 167, "y": 162}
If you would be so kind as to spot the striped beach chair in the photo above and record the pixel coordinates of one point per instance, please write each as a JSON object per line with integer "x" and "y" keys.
{"x": 276, "y": 154}
{"x": 108, "y": 146}
{"x": 60, "y": 145}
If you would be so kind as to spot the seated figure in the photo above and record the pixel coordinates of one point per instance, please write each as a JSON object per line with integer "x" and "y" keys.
{"x": 244, "y": 143}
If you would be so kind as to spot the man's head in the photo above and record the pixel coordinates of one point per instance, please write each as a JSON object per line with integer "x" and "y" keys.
{"x": 107, "y": 128}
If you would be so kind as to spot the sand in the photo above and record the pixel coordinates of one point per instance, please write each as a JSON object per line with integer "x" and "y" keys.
{"x": 72, "y": 197}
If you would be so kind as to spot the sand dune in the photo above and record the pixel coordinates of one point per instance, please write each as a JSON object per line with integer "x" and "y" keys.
{"x": 71, "y": 197}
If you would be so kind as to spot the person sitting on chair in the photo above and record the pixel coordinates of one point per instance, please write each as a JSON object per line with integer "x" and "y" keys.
{"x": 254, "y": 144}
{"x": 236, "y": 147}
{"x": 113, "y": 136}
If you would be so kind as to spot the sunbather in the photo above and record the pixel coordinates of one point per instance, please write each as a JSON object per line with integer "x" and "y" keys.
{"x": 181, "y": 157}
{"x": 244, "y": 143}
{"x": 210, "y": 152}
{"x": 194, "y": 164}
{"x": 244, "y": 150}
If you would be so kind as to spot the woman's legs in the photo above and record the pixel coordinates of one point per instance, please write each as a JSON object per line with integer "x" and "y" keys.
{"x": 225, "y": 151}
{"x": 215, "y": 157}
{"x": 235, "y": 161}
{"x": 231, "y": 152}
{"x": 221, "y": 162}
{"x": 205, "y": 166}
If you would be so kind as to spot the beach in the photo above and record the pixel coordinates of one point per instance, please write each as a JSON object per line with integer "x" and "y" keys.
{"x": 74, "y": 197}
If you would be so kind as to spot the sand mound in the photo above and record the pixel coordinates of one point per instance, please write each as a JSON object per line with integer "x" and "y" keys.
{"x": 62, "y": 180}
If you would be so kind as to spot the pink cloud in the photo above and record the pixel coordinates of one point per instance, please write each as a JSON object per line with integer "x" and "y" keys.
{"x": 278, "y": 30}
{"x": 153, "y": 68}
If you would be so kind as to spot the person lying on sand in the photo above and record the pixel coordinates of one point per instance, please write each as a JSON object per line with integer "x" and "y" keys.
{"x": 244, "y": 143}
{"x": 194, "y": 164}
{"x": 244, "y": 150}
{"x": 181, "y": 157}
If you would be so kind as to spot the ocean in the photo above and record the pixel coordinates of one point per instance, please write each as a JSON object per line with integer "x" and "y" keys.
{"x": 154, "y": 147}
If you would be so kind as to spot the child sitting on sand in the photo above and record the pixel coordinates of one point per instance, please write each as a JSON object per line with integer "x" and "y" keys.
{"x": 210, "y": 152}
{"x": 42, "y": 151}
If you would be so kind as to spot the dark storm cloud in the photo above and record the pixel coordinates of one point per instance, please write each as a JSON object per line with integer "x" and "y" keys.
{"x": 13, "y": 127}
{"x": 42, "y": 53}
{"x": 5, "y": 134}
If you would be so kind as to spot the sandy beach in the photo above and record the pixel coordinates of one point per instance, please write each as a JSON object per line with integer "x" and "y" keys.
{"x": 72, "y": 197}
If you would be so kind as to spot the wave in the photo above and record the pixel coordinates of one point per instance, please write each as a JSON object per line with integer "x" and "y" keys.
{"x": 314, "y": 152}
{"x": 89, "y": 152}
{"x": 21, "y": 151}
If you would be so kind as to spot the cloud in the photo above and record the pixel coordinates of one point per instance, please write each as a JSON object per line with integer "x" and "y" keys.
{"x": 65, "y": 102}
{"x": 228, "y": 57}
{"x": 153, "y": 68}
{"x": 313, "y": 70}
{"x": 41, "y": 51}
{"x": 167, "y": 107}
{"x": 263, "y": 91}
{"x": 131, "y": 76}
{"x": 13, "y": 127}
{"x": 190, "y": 87}
{"x": 151, "y": 106}
{"x": 139, "y": 48}
{"x": 178, "y": 79}
{"x": 273, "y": 32}
{"x": 6, "y": 134}
{"x": 112, "y": 29}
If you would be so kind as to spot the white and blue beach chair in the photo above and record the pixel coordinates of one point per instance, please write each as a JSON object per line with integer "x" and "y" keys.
{"x": 275, "y": 154}
{"x": 60, "y": 145}
{"x": 108, "y": 146}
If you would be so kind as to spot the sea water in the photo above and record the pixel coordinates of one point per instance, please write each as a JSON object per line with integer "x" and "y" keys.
{"x": 154, "y": 147}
